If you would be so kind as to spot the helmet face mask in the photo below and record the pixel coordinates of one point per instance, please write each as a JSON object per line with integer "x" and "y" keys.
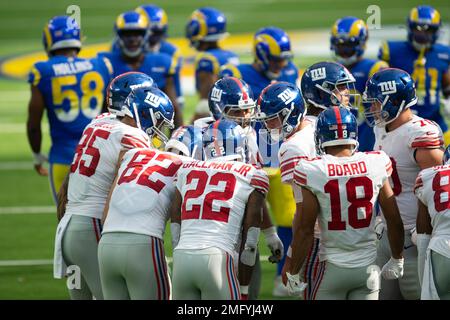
{"x": 348, "y": 40}
{"x": 327, "y": 84}
{"x": 272, "y": 51}
{"x": 152, "y": 111}
{"x": 281, "y": 109}
{"x": 132, "y": 42}
{"x": 226, "y": 140}
{"x": 423, "y": 27}
{"x": 388, "y": 93}
{"x": 242, "y": 115}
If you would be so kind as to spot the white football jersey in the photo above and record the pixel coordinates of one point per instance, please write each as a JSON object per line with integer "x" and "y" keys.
{"x": 433, "y": 189}
{"x": 254, "y": 157}
{"x": 143, "y": 192}
{"x": 400, "y": 145}
{"x": 346, "y": 189}
{"x": 300, "y": 145}
{"x": 215, "y": 195}
{"x": 94, "y": 164}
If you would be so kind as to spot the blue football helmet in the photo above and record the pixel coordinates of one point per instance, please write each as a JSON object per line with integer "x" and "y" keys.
{"x": 121, "y": 86}
{"x": 131, "y": 30}
{"x": 280, "y": 108}
{"x": 388, "y": 92}
{"x": 272, "y": 44}
{"x": 225, "y": 138}
{"x": 152, "y": 110}
{"x": 206, "y": 24}
{"x": 423, "y": 27}
{"x": 322, "y": 84}
{"x": 446, "y": 156}
{"x": 61, "y": 32}
{"x": 230, "y": 95}
{"x": 187, "y": 141}
{"x": 336, "y": 126}
{"x": 348, "y": 39}
{"x": 158, "y": 22}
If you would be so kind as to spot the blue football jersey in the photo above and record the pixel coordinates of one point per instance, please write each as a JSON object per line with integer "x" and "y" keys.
{"x": 74, "y": 92}
{"x": 170, "y": 49}
{"x": 212, "y": 60}
{"x": 362, "y": 71}
{"x": 257, "y": 82}
{"x": 402, "y": 55}
{"x": 159, "y": 66}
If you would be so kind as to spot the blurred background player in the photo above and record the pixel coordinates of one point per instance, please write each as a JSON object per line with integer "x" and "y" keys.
{"x": 70, "y": 90}
{"x": 218, "y": 204}
{"x": 204, "y": 29}
{"x": 91, "y": 175}
{"x": 433, "y": 230}
{"x": 132, "y": 33}
{"x": 282, "y": 110}
{"x": 272, "y": 62}
{"x": 157, "y": 43}
{"x": 413, "y": 144}
{"x": 428, "y": 63}
{"x": 348, "y": 42}
{"x": 337, "y": 187}
{"x": 131, "y": 250}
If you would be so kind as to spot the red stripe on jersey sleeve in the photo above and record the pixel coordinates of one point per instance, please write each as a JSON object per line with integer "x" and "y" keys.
{"x": 426, "y": 142}
{"x": 289, "y": 164}
{"x": 300, "y": 178}
{"x": 143, "y": 141}
{"x": 130, "y": 143}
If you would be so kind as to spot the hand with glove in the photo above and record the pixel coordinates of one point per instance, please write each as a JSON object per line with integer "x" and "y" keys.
{"x": 274, "y": 243}
{"x": 393, "y": 269}
{"x": 294, "y": 285}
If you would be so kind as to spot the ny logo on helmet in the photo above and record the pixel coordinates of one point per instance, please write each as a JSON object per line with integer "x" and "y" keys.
{"x": 318, "y": 74}
{"x": 287, "y": 96}
{"x": 152, "y": 99}
{"x": 216, "y": 94}
{"x": 388, "y": 87}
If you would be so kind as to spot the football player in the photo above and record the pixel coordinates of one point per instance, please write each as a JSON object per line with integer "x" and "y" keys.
{"x": 348, "y": 42}
{"x": 323, "y": 85}
{"x": 413, "y": 144}
{"x": 428, "y": 63}
{"x": 218, "y": 203}
{"x": 272, "y": 62}
{"x": 131, "y": 250}
{"x": 132, "y": 32}
{"x": 282, "y": 110}
{"x": 70, "y": 90}
{"x": 340, "y": 188}
{"x": 433, "y": 230}
{"x": 91, "y": 176}
{"x": 231, "y": 98}
{"x": 204, "y": 29}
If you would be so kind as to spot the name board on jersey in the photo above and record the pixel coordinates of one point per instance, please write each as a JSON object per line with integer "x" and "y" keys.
{"x": 152, "y": 99}
{"x": 318, "y": 74}
{"x": 216, "y": 94}
{"x": 388, "y": 87}
{"x": 287, "y": 96}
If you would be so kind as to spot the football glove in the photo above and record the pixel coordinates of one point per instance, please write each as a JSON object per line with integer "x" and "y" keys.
{"x": 393, "y": 269}
{"x": 294, "y": 285}
{"x": 274, "y": 243}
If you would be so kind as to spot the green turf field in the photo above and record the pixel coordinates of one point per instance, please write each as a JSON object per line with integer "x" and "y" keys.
{"x": 25, "y": 236}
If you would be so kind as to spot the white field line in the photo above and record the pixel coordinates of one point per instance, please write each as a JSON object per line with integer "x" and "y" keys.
{"x": 16, "y": 165}
{"x": 47, "y": 262}
{"x": 28, "y": 210}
